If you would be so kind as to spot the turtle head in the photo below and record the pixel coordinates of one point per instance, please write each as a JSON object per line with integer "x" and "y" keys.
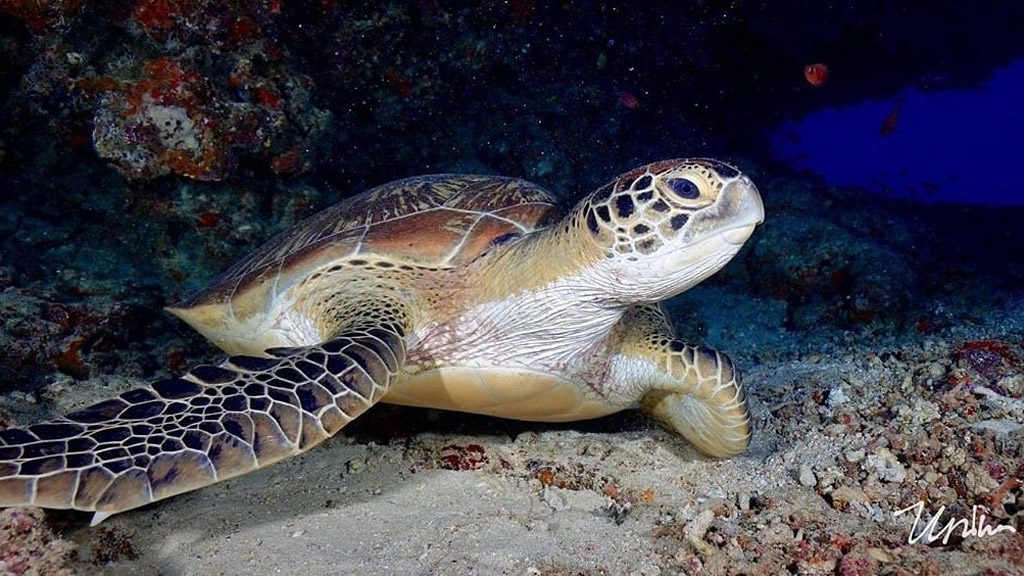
{"x": 664, "y": 227}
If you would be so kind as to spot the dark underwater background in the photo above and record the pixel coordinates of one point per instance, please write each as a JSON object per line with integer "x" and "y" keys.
{"x": 146, "y": 145}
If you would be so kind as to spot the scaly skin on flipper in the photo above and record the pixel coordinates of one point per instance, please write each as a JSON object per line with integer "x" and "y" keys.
{"x": 705, "y": 401}
{"x": 215, "y": 423}
{"x": 693, "y": 389}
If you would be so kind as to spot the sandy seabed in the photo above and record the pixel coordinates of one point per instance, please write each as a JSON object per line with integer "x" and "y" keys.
{"x": 844, "y": 437}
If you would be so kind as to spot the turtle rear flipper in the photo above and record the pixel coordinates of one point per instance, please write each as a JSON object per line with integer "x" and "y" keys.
{"x": 214, "y": 423}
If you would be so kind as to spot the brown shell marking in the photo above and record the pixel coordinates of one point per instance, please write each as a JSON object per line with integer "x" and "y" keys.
{"x": 435, "y": 220}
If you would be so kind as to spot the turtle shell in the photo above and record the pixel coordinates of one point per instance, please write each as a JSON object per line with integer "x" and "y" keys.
{"x": 433, "y": 221}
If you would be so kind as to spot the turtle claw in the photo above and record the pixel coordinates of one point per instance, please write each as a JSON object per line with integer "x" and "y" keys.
{"x": 98, "y": 517}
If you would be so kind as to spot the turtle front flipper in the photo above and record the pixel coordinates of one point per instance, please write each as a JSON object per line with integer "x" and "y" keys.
{"x": 693, "y": 389}
{"x": 214, "y": 423}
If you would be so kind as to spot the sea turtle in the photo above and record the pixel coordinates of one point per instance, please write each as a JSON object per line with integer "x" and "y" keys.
{"x": 470, "y": 293}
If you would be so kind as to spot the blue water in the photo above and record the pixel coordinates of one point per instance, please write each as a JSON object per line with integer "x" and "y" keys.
{"x": 954, "y": 146}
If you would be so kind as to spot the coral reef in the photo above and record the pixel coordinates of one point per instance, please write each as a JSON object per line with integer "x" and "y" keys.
{"x": 175, "y": 96}
{"x": 28, "y": 547}
{"x": 173, "y": 119}
{"x": 832, "y": 259}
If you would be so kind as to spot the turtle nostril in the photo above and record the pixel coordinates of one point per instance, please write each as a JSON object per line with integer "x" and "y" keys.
{"x": 684, "y": 188}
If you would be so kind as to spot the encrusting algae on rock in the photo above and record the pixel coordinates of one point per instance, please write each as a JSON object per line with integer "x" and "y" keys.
{"x": 29, "y": 547}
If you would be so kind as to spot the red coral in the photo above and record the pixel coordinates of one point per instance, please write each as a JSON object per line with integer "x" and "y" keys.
{"x": 70, "y": 360}
{"x": 290, "y": 161}
{"x": 156, "y": 15}
{"x": 166, "y": 82}
{"x": 208, "y": 220}
{"x": 856, "y": 565}
{"x": 990, "y": 358}
{"x": 242, "y": 29}
{"x": 457, "y": 457}
{"x": 211, "y": 164}
{"x": 268, "y": 97}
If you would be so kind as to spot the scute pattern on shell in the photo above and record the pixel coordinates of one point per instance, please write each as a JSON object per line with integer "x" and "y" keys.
{"x": 375, "y": 214}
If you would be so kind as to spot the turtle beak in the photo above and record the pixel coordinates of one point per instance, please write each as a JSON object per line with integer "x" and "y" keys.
{"x": 733, "y": 216}
{"x": 742, "y": 206}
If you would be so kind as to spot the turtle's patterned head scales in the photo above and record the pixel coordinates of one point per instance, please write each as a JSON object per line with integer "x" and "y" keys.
{"x": 670, "y": 224}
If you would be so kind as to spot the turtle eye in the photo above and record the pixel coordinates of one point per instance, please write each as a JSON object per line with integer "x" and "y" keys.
{"x": 684, "y": 188}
